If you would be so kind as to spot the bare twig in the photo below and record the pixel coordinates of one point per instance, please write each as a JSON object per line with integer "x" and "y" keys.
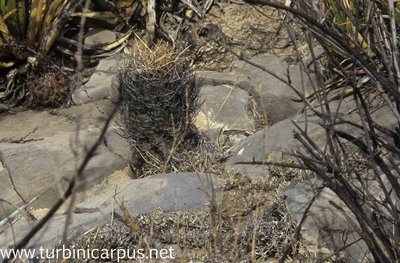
{"x": 70, "y": 189}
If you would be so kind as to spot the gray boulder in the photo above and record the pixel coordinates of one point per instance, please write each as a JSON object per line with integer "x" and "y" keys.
{"x": 227, "y": 115}
{"x": 270, "y": 142}
{"x": 44, "y": 167}
{"x": 100, "y": 84}
{"x": 325, "y": 226}
{"x": 274, "y": 97}
{"x": 170, "y": 192}
{"x": 239, "y": 99}
{"x": 278, "y": 140}
{"x": 225, "y": 107}
{"x": 40, "y": 151}
{"x": 268, "y": 84}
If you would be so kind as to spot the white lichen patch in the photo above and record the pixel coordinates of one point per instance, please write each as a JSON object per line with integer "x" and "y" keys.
{"x": 241, "y": 151}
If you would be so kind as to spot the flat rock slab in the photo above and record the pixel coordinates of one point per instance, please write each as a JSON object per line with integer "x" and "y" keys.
{"x": 100, "y": 84}
{"x": 268, "y": 84}
{"x": 225, "y": 107}
{"x": 41, "y": 150}
{"x": 269, "y": 142}
{"x": 275, "y": 98}
{"x": 170, "y": 192}
{"x": 33, "y": 125}
{"x": 44, "y": 167}
{"x": 325, "y": 225}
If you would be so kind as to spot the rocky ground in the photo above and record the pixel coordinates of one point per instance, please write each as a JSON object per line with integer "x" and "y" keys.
{"x": 235, "y": 213}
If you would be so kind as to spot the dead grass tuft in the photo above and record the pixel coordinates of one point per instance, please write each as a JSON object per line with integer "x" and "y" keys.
{"x": 158, "y": 58}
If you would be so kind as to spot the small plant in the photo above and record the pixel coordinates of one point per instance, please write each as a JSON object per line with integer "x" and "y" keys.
{"x": 48, "y": 87}
{"x": 159, "y": 98}
{"x": 37, "y": 34}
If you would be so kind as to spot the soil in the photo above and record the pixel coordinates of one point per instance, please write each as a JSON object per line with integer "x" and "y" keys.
{"x": 245, "y": 29}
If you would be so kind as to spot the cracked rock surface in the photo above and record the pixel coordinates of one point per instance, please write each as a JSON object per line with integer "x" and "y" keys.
{"x": 168, "y": 192}
{"x": 41, "y": 150}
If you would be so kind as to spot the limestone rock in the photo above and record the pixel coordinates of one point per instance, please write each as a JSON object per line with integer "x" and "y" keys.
{"x": 225, "y": 107}
{"x": 268, "y": 84}
{"x": 272, "y": 141}
{"x": 227, "y": 114}
{"x": 213, "y": 78}
{"x": 42, "y": 150}
{"x": 273, "y": 96}
{"x": 44, "y": 167}
{"x": 325, "y": 226}
{"x": 97, "y": 36}
{"x": 170, "y": 192}
{"x": 279, "y": 138}
{"x": 100, "y": 84}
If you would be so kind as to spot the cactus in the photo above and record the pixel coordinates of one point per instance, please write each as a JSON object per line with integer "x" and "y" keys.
{"x": 158, "y": 100}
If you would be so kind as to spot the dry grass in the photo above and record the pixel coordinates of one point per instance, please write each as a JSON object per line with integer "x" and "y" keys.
{"x": 249, "y": 222}
{"x": 155, "y": 59}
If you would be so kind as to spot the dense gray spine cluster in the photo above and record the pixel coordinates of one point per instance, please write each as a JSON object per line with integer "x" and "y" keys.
{"x": 157, "y": 107}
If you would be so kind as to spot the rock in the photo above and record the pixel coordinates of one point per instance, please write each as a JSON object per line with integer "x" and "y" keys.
{"x": 98, "y": 36}
{"x": 100, "y": 84}
{"x": 33, "y": 125}
{"x": 170, "y": 192}
{"x": 325, "y": 226}
{"x": 227, "y": 114}
{"x": 45, "y": 166}
{"x": 319, "y": 52}
{"x": 42, "y": 150}
{"x": 116, "y": 144}
{"x": 90, "y": 115}
{"x": 274, "y": 96}
{"x": 272, "y": 141}
{"x": 278, "y": 108}
{"x": 213, "y": 78}
{"x": 225, "y": 107}
{"x": 278, "y": 140}
{"x": 269, "y": 84}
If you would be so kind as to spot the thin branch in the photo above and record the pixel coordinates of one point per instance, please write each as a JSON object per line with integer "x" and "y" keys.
{"x": 71, "y": 187}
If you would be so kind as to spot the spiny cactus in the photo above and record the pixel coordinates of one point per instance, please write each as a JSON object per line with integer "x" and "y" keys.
{"x": 37, "y": 34}
{"x": 158, "y": 100}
